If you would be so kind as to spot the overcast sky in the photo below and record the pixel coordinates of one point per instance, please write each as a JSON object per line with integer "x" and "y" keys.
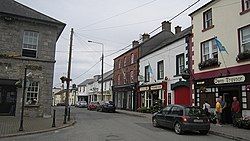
{"x": 115, "y": 23}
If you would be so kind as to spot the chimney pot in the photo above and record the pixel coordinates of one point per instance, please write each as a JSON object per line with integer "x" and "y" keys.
{"x": 177, "y": 29}
{"x": 145, "y": 37}
{"x": 135, "y": 43}
{"x": 166, "y": 26}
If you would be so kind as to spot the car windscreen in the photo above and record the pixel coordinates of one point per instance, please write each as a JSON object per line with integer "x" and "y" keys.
{"x": 194, "y": 111}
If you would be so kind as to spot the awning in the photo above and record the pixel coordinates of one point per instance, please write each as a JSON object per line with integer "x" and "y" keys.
{"x": 179, "y": 84}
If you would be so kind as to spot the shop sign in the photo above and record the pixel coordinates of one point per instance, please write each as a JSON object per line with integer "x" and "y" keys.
{"x": 232, "y": 79}
{"x": 156, "y": 87}
{"x": 144, "y": 88}
{"x": 201, "y": 82}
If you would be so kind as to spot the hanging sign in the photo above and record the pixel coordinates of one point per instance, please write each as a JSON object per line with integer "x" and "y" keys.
{"x": 232, "y": 79}
{"x": 156, "y": 87}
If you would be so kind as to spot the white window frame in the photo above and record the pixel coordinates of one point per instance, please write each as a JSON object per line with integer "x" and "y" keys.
{"x": 132, "y": 58}
{"x": 246, "y": 4}
{"x": 245, "y": 41}
{"x": 212, "y": 50}
{"x": 32, "y": 89}
{"x": 147, "y": 74}
{"x": 208, "y": 21}
{"x": 180, "y": 63}
{"x": 30, "y": 40}
{"x": 160, "y": 71}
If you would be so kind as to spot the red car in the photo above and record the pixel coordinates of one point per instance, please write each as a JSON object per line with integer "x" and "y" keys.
{"x": 93, "y": 105}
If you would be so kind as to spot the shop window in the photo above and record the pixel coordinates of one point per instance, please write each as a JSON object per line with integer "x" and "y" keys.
{"x": 180, "y": 64}
{"x": 245, "y": 39}
{"x": 210, "y": 97}
{"x": 248, "y": 99}
{"x": 32, "y": 93}
{"x": 30, "y": 43}
{"x": 169, "y": 98}
{"x": 147, "y": 74}
{"x": 207, "y": 19}
{"x": 160, "y": 70}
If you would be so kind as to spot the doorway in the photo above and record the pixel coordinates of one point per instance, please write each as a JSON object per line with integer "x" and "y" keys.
{"x": 227, "y": 94}
{"x": 8, "y": 95}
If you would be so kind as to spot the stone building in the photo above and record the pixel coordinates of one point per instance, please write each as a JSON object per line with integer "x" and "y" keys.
{"x": 27, "y": 40}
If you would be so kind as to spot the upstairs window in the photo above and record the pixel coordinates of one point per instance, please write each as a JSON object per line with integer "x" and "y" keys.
{"x": 160, "y": 70}
{"x": 119, "y": 64}
{"x": 207, "y": 19}
{"x": 132, "y": 58}
{"x": 245, "y": 39}
{"x": 131, "y": 76}
{"x": 245, "y": 5}
{"x": 180, "y": 64}
{"x": 147, "y": 74}
{"x": 30, "y": 43}
{"x": 209, "y": 50}
{"x": 125, "y": 61}
{"x": 118, "y": 79}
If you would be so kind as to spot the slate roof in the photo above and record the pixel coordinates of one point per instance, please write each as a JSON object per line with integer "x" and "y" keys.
{"x": 87, "y": 81}
{"x": 168, "y": 41}
{"x": 107, "y": 76}
{"x": 15, "y": 8}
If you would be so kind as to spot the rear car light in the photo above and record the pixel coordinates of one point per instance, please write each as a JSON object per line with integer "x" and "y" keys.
{"x": 185, "y": 118}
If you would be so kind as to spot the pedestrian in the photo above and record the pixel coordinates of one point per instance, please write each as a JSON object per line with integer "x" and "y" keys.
{"x": 207, "y": 109}
{"x": 223, "y": 114}
{"x": 235, "y": 110}
{"x": 218, "y": 110}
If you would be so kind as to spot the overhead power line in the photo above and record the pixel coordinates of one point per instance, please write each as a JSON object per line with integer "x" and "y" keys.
{"x": 100, "y": 21}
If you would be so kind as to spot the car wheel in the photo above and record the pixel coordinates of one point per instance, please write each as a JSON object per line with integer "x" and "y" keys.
{"x": 203, "y": 132}
{"x": 155, "y": 124}
{"x": 178, "y": 128}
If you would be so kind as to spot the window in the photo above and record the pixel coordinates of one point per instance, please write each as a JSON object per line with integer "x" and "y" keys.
{"x": 119, "y": 79}
{"x": 245, "y": 39}
{"x": 124, "y": 78}
{"x": 119, "y": 64}
{"x": 32, "y": 93}
{"x": 30, "y": 43}
{"x": 125, "y": 61}
{"x": 209, "y": 50}
{"x": 207, "y": 19}
{"x": 180, "y": 64}
{"x": 169, "y": 98}
{"x": 147, "y": 74}
{"x": 245, "y": 5}
{"x": 132, "y": 58}
{"x": 131, "y": 76}
{"x": 160, "y": 70}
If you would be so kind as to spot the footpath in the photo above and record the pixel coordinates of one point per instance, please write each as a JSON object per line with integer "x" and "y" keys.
{"x": 227, "y": 131}
{"x": 9, "y": 125}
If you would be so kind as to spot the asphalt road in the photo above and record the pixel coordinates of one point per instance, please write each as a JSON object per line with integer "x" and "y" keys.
{"x": 98, "y": 126}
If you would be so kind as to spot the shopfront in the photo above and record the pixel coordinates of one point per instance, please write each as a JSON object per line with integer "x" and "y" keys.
{"x": 227, "y": 87}
{"x": 150, "y": 93}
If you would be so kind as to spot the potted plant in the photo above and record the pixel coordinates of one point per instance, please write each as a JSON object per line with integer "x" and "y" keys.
{"x": 245, "y": 55}
{"x": 212, "y": 62}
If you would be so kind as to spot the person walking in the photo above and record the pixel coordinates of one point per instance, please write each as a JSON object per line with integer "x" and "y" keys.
{"x": 223, "y": 113}
{"x": 218, "y": 110}
{"x": 207, "y": 109}
{"x": 235, "y": 109}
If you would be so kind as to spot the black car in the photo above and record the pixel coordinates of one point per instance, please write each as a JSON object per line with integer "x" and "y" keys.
{"x": 108, "y": 106}
{"x": 182, "y": 118}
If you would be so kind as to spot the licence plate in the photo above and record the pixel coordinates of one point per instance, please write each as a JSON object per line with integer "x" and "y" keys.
{"x": 198, "y": 120}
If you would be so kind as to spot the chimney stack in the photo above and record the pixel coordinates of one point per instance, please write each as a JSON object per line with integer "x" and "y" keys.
{"x": 177, "y": 29}
{"x": 135, "y": 43}
{"x": 166, "y": 26}
{"x": 145, "y": 37}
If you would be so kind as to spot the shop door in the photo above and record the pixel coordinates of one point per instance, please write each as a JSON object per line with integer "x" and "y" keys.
{"x": 8, "y": 97}
{"x": 182, "y": 96}
{"x": 228, "y": 95}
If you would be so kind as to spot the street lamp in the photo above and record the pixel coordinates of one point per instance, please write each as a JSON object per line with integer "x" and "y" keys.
{"x": 102, "y": 58}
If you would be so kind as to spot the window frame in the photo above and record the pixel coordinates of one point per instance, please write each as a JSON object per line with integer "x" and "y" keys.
{"x": 178, "y": 65}
{"x": 28, "y": 43}
{"x": 125, "y": 61}
{"x": 34, "y": 92}
{"x": 245, "y": 5}
{"x": 131, "y": 76}
{"x": 159, "y": 70}
{"x": 211, "y": 50}
{"x": 206, "y": 25}
{"x": 132, "y": 58}
{"x": 147, "y": 73}
{"x": 240, "y": 37}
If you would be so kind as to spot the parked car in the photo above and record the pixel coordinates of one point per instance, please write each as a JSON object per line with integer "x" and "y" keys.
{"x": 93, "y": 105}
{"x": 182, "y": 118}
{"x": 82, "y": 104}
{"x": 108, "y": 106}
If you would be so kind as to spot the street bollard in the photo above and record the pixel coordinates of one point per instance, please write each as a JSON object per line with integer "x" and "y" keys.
{"x": 69, "y": 114}
{"x": 54, "y": 118}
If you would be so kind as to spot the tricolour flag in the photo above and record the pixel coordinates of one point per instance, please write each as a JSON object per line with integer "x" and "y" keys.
{"x": 220, "y": 46}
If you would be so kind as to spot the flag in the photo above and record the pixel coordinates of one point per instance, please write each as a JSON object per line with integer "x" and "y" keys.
{"x": 151, "y": 71}
{"x": 220, "y": 46}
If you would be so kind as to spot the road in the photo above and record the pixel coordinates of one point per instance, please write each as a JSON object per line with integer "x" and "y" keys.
{"x": 98, "y": 126}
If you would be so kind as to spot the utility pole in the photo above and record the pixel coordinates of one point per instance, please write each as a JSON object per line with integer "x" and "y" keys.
{"x": 68, "y": 78}
{"x": 102, "y": 73}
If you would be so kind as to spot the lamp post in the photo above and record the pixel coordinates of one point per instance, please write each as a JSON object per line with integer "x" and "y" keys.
{"x": 24, "y": 90}
{"x": 102, "y": 58}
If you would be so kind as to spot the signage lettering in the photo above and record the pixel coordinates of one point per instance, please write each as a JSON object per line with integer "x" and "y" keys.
{"x": 232, "y": 79}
